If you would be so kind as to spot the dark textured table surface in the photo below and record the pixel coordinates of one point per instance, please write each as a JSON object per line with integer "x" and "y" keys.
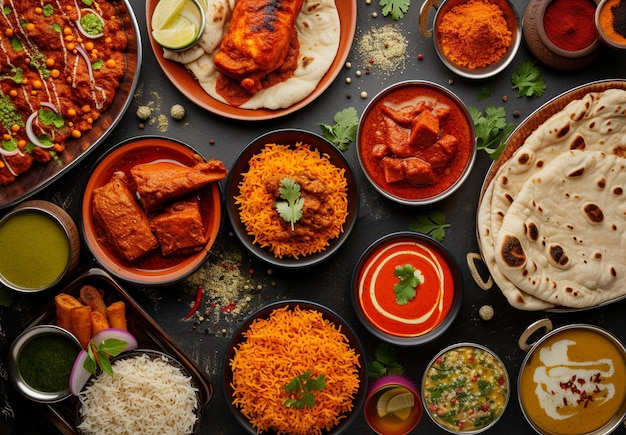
{"x": 206, "y": 341}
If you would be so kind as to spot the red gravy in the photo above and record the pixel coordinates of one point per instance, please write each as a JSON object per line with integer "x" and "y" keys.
{"x": 454, "y": 123}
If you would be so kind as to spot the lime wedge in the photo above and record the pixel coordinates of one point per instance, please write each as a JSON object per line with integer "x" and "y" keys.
{"x": 400, "y": 403}
{"x": 383, "y": 401}
{"x": 191, "y": 12}
{"x": 176, "y": 37}
{"x": 165, "y": 11}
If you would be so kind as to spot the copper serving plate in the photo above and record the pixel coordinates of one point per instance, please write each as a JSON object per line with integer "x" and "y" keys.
{"x": 530, "y": 124}
{"x": 149, "y": 335}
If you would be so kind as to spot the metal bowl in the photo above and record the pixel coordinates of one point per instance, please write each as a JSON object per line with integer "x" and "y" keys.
{"x": 590, "y": 372}
{"x": 31, "y": 260}
{"x": 13, "y": 364}
{"x": 601, "y": 11}
{"x": 442, "y": 7}
{"x": 370, "y": 125}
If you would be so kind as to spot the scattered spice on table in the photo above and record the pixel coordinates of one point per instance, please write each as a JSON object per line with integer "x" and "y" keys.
{"x": 613, "y": 20}
{"x": 474, "y": 34}
{"x": 570, "y": 24}
{"x": 383, "y": 48}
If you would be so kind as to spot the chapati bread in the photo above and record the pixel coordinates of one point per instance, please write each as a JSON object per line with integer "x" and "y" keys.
{"x": 318, "y": 29}
{"x": 563, "y": 239}
{"x": 597, "y": 121}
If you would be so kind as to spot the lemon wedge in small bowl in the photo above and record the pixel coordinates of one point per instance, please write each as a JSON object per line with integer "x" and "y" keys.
{"x": 178, "y": 24}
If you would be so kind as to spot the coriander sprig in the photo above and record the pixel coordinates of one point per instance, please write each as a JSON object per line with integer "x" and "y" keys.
{"x": 491, "y": 129}
{"x": 410, "y": 278}
{"x": 301, "y": 387}
{"x": 343, "y": 132}
{"x": 99, "y": 354}
{"x": 384, "y": 362}
{"x": 291, "y": 208}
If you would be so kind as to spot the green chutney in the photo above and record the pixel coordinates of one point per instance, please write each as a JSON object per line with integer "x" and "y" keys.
{"x": 45, "y": 362}
{"x": 34, "y": 250}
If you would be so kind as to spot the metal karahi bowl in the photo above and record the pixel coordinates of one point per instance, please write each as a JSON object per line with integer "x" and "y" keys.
{"x": 442, "y": 7}
{"x": 374, "y": 125}
{"x": 580, "y": 369}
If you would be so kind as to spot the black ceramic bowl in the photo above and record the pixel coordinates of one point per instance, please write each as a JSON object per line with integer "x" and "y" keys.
{"x": 327, "y": 314}
{"x": 290, "y": 137}
{"x": 437, "y": 298}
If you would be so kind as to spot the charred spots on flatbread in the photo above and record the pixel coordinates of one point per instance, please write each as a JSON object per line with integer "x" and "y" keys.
{"x": 504, "y": 180}
{"x": 593, "y": 212}
{"x": 523, "y": 158}
{"x": 532, "y": 231}
{"x": 563, "y": 131}
{"x": 618, "y": 190}
{"x": 512, "y": 252}
{"x": 576, "y": 173}
{"x": 613, "y": 272}
{"x": 578, "y": 143}
{"x": 601, "y": 183}
{"x": 509, "y": 198}
{"x": 558, "y": 256}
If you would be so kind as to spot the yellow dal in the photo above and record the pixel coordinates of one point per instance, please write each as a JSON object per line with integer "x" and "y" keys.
{"x": 34, "y": 250}
{"x": 594, "y": 350}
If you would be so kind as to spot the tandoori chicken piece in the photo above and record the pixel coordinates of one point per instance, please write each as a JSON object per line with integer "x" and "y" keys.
{"x": 123, "y": 222}
{"x": 162, "y": 182}
{"x": 257, "y": 41}
{"x": 179, "y": 228}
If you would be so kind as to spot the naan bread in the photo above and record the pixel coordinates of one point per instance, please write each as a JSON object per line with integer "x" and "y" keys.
{"x": 318, "y": 33}
{"x": 563, "y": 239}
{"x": 595, "y": 122}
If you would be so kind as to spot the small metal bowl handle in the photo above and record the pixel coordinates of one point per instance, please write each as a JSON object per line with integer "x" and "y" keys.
{"x": 423, "y": 19}
{"x": 530, "y": 330}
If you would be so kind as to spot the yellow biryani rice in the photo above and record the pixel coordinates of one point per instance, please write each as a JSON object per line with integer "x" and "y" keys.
{"x": 287, "y": 344}
{"x": 257, "y": 209}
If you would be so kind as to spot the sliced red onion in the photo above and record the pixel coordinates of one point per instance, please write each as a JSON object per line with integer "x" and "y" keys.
{"x": 119, "y": 334}
{"x": 9, "y": 153}
{"x": 79, "y": 375}
{"x": 31, "y": 134}
{"x": 83, "y": 31}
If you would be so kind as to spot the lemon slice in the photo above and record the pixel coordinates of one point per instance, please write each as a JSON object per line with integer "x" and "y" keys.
{"x": 165, "y": 11}
{"x": 383, "y": 401}
{"x": 400, "y": 404}
{"x": 175, "y": 37}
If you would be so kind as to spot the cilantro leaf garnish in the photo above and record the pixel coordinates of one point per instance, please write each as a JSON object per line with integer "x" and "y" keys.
{"x": 432, "y": 224}
{"x": 528, "y": 81}
{"x": 301, "y": 387}
{"x": 491, "y": 129}
{"x": 99, "y": 354}
{"x": 343, "y": 132}
{"x": 291, "y": 208}
{"x": 410, "y": 278}
{"x": 385, "y": 362}
{"x": 49, "y": 117}
{"x": 397, "y": 8}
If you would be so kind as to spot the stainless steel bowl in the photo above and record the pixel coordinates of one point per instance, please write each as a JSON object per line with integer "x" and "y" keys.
{"x": 442, "y": 6}
{"x": 13, "y": 363}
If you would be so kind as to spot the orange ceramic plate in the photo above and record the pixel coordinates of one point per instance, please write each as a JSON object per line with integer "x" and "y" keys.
{"x": 185, "y": 82}
{"x": 160, "y": 271}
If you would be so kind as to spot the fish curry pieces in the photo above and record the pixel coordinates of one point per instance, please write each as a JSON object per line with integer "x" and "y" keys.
{"x": 167, "y": 215}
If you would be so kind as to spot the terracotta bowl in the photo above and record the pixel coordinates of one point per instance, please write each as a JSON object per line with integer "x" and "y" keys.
{"x": 154, "y": 269}
{"x": 612, "y": 41}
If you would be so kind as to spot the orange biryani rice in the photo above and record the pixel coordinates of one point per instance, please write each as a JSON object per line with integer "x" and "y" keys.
{"x": 278, "y": 349}
{"x": 256, "y": 202}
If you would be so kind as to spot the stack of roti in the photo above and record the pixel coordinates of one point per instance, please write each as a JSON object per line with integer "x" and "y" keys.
{"x": 552, "y": 219}
{"x": 318, "y": 29}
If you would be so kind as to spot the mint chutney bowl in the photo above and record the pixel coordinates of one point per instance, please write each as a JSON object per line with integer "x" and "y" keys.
{"x": 39, "y": 247}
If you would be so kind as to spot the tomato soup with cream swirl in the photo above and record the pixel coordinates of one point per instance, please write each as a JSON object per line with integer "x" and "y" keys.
{"x": 377, "y": 294}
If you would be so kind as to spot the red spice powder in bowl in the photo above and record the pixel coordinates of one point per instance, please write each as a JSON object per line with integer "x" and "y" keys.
{"x": 568, "y": 27}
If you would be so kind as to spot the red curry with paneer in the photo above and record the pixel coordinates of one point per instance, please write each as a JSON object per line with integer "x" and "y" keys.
{"x": 415, "y": 142}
